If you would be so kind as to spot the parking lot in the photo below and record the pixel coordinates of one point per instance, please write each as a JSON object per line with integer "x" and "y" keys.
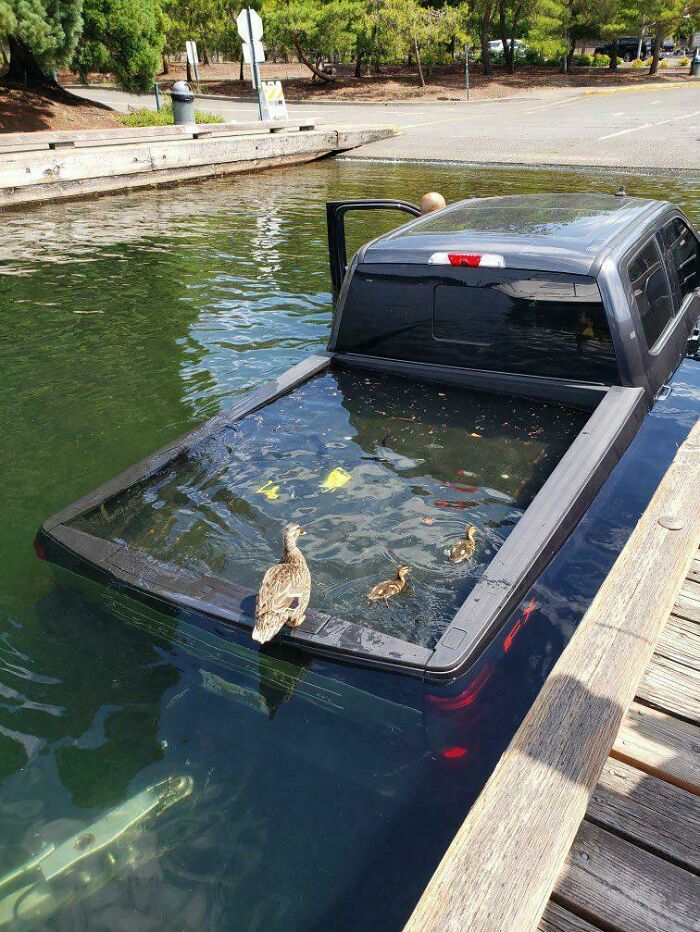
{"x": 655, "y": 127}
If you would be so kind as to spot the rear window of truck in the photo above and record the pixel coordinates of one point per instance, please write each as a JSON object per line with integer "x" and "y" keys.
{"x": 507, "y": 320}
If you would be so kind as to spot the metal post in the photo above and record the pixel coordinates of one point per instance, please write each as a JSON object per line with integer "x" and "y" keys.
{"x": 254, "y": 63}
{"x": 466, "y": 68}
{"x": 156, "y": 91}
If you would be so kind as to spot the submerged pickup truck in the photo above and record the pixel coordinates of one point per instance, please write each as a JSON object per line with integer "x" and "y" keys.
{"x": 451, "y": 335}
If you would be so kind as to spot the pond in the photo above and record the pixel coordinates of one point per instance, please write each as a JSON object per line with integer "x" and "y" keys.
{"x": 269, "y": 792}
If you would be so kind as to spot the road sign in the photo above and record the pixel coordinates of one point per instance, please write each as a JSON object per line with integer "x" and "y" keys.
{"x": 248, "y": 50}
{"x": 249, "y": 21}
{"x": 191, "y": 52}
{"x": 274, "y": 104}
{"x": 250, "y": 29}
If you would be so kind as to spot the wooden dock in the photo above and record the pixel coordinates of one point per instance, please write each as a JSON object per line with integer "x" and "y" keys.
{"x": 635, "y": 861}
{"x": 591, "y": 820}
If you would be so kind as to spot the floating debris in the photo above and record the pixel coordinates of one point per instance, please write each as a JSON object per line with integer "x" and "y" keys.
{"x": 336, "y": 478}
{"x": 269, "y": 490}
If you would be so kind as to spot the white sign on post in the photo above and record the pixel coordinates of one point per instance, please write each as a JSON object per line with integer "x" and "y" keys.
{"x": 250, "y": 29}
{"x": 255, "y": 24}
{"x": 274, "y": 104}
{"x": 191, "y": 52}
{"x": 257, "y": 48}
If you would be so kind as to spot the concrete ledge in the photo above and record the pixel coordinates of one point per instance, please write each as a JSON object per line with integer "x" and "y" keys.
{"x": 119, "y": 136}
{"x": 79, "y": 172}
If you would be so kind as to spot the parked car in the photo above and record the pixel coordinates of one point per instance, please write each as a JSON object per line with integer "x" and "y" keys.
{"x": 496, "y": 47}
{"x": 627, "y": 48}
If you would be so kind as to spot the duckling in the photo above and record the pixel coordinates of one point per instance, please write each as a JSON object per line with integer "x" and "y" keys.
{"x": 285, "y": 590}
{"x": 385, "y": 590}
{"x": 464, "y": 549}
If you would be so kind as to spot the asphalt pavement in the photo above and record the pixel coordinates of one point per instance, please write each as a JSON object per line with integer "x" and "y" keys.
{"x": 655, "y": 127}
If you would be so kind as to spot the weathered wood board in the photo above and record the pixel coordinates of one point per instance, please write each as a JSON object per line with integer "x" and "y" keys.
{"x": 624, "y": 887}
{"x": 660, "y": 745}
{"x": 661, "y": 817}
{"x": 672, "y": 687}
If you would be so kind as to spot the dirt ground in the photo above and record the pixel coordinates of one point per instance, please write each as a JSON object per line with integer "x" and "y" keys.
{"x": 398, "y": 83}
{"x": 23, "y": 111}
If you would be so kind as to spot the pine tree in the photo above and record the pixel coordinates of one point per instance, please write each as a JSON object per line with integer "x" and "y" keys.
{"x": 124, "y": 37}
{"x": 41, "y": 36}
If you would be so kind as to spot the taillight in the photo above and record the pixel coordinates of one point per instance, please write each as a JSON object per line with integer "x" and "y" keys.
{"x": 488, "y": 260}
{"x": 453, "y": 753}
{"x": 39, "y": 549}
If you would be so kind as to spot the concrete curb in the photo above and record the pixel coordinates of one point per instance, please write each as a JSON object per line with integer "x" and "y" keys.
{"x": 617, "y": 170}
{"x": 78, "y": 172}
{"x": 641, "y": 87}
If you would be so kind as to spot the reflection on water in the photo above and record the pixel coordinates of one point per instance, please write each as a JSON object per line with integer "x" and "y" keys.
{"x": 378, "y": 470}
{"x": 315, "y": 802}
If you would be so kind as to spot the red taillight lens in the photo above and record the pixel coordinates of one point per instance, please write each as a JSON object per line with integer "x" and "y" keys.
{"x": 453, "y": 753}
{"x": 458, "y": 258}
{"x": 465, "y": 698}
{"x": 39, "y": 549}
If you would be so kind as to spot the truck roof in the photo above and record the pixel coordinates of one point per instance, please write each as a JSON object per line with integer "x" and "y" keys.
{"x": 548, "y": 232}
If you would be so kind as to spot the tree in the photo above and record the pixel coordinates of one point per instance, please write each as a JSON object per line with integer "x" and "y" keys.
{"x": 315, "y": 31}
{"x": 483, "y": 11}
{"x": 41, "y": 36}
{"x": 662, "y": 18}
{"x": 511, "y": 14}
{"x": 125, "y": 37}
{"x": 211, "y": 23}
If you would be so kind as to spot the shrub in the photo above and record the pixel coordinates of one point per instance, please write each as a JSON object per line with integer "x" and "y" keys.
{"x": 533, "y": 57}
{"x": 601, "y": 61}
{"x": 164, "y": 117}
{"x": 585, "y": 61}
{"x": 684, "y": 62}
{"x": 637, "y": 63}
{"x": 664, "y": 63}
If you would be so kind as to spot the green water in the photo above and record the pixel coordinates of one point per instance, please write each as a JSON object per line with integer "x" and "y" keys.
{"x": 125, "y": 321}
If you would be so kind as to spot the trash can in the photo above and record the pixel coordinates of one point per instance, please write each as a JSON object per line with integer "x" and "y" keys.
{"x": 183, "y": 103}
{"x": 695, "y": 64}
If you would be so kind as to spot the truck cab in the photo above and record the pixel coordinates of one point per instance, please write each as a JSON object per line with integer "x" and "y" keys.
{"x": 589, "y": 288}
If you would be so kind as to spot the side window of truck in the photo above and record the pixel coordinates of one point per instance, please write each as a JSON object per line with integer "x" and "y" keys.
{"x": 682, "y": 257}
{"x": 652, "y": 293}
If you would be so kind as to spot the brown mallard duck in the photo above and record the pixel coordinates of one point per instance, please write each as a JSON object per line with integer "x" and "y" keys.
{"x": 464, "y": 549}
{"x": 390, "y": 587}
{"x": 285, "y": 590}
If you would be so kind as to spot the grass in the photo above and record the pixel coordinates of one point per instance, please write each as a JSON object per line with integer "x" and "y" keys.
{"x": 164, "y": 117}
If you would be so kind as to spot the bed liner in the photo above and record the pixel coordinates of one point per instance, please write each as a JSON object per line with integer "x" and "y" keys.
{"x": 545, "y": 525}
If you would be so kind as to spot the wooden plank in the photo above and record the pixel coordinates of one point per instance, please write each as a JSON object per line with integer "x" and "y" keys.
{"x": 694, "y": 571}
{"x": 680, "y": 641}
{"x": 687, "y": 608}
{"x": 92, "y": 137}
{"x": 660, "y": 745}
{"x": 691, "y": 590}
{"x": 656, "y": 815}
{"x": 623, "y": 887}
{"x": 558, "y": 919}
{"x": 672, "y": 687}
{"x": 501, "y": 866}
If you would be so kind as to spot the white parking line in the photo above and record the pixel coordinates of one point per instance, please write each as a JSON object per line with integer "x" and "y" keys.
{"x": 558, "y": 103}
{"x": 632, "y": 129}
